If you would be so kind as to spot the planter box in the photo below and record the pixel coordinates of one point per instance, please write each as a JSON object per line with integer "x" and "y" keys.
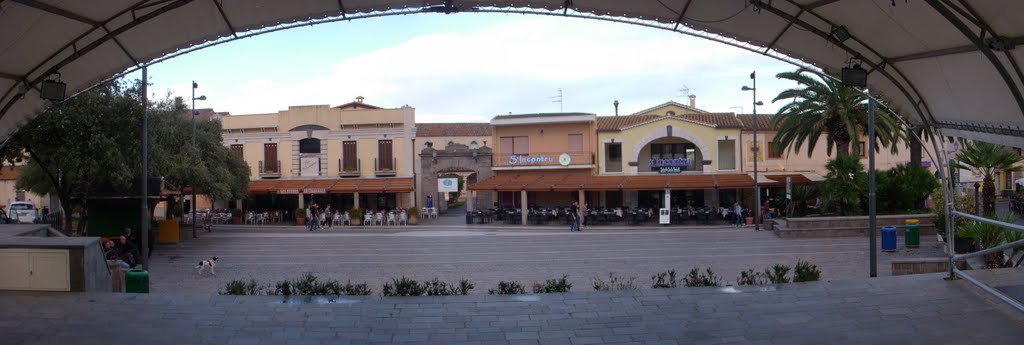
{"x": 821, "y": 227}
{"x": 300, "y": 221}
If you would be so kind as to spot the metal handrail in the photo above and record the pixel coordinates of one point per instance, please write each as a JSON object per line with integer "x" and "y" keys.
{"x": 996, "y": 249}
{"x": 1006, "y": 299}
{"x": 1011, "y": 226}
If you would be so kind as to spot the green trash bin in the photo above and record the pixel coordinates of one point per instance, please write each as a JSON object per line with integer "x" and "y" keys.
{"x": 136, "y": 281}
{"x": 912, "y": 233}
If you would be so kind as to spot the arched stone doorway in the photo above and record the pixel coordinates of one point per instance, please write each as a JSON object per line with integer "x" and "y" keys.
{"x": 669, "y": 147}
{"x": 471, "y": 164}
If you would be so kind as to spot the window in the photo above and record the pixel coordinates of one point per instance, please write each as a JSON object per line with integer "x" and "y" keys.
{"x": 727, "y": 155}
{"x": 270, "y": 158}
{"x": 349, "y": 156}
{"x": 772, "y": 151}
{"x": 575, "y": 142}
{"x": 238, "y": 151}
{"x": 676, "y": 151}
{"x": 861, "y": 149}
{"x": 515, "y": 145}
{"x": 385, "y": 158}
{"x": 670, "y": 113}
{"x": 613, "y": 157}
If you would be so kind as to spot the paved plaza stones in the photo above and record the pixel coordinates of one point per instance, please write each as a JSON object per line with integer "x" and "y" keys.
{"x": 919, "y": 309}
{"x": 488, "y": 255}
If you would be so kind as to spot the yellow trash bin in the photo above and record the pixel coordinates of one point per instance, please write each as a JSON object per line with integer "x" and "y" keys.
{"x": 168, "y": 230}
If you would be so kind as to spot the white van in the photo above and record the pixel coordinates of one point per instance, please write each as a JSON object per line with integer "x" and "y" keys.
{"x": 23, "y": 212}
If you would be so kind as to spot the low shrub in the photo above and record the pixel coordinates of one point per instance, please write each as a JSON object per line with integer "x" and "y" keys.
{"x": 553, "y": 285}
{"x": 698, "y": 279}
{"x": 310, "y": 285}
{"x": 806, "y": 272}
{"x": 361, "y": 289}
{"x": 751, "y": 277}
{"x": 241, "y": 287}
{"x": 615, "y": 283}
{"x": 508, "y": 288}
{"x": 404, "y": 287}
{"x": 355, "y": 214}
{"x": 777, "y": 274}
{"x": 437, "y": 287}
{"x": 664, "y": 280}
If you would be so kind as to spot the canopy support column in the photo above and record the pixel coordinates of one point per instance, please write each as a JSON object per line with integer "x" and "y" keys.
{"x": 355, "y": 199}
{"x": 522, "y": 206}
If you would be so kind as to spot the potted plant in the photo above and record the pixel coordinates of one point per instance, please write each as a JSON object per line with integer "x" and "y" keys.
{"x": 300, "y": 216}
{"x": 236, "y": 216}
{"x": 355, "y": 216}
{"x": 414, "y": 216}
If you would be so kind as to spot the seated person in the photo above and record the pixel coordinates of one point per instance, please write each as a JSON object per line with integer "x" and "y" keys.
{"x": 127, "y": 250}
{"x": 112, "y": 253}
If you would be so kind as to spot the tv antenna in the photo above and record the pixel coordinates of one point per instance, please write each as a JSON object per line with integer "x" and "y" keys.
{"x": 685, "y": 91}
{"x": 558, "y": 99}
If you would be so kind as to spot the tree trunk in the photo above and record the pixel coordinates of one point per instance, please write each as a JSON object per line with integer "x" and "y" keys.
{"x": 842, "y": 145}
{"x": 988, "y": 195}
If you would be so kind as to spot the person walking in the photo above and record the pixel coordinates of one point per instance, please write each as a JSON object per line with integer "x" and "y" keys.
{"x": 327, "y": 215}
{"x": 738, "y": 209}
{"x": 574, "y": 217}
{"x": 309, "y": 218}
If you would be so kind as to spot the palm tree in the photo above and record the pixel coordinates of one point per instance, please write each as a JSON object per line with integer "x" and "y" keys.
{"x": 825, "y": 106}
{"x": 845, "y": 185}
{"x": 987, "y": 159}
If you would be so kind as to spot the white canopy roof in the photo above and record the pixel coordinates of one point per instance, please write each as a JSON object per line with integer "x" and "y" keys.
{"x": 950, "y": 64}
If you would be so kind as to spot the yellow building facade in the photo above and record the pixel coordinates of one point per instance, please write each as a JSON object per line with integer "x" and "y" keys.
{"x": 353, "y": 155}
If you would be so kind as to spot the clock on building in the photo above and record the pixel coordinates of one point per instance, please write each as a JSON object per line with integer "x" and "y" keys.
{"x": 564, "y": 159}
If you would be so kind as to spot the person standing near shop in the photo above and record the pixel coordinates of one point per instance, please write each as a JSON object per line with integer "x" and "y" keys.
{"x": 309, "y": 218}
{"x": 574, "y": 217}
{"x": 738, "y": 209}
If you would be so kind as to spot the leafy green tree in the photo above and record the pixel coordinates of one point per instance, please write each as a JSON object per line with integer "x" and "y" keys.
{"x": 904, "y": 188}
{"x": 94, "y": 141}
{"x": 845, "y": 185}
{"x": 827, "y": 107}
{"x": 987, "y": 159}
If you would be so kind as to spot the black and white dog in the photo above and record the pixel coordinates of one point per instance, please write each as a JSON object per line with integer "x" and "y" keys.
{"x": 207, "y": 263}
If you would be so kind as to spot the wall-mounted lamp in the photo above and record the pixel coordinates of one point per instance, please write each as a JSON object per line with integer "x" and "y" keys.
{"x": 839, "y": 34}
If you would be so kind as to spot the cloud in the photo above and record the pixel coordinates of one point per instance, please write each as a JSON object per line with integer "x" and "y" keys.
{"x": 515, "y": 65}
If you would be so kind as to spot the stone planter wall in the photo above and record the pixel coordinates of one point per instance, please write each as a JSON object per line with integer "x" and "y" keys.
{"x": 921, "y": 266}
{"x": 818, "y": 227}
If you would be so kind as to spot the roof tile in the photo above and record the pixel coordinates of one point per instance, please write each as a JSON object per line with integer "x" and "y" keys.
{"x": 470, "y": 129}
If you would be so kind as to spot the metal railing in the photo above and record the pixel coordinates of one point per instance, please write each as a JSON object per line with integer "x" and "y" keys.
{"x": 953, "y": 259}
{"x": 270, "y": 169}
{"x": 534, "y": 159}
{"x": 385, "y": 169}
{"x": 53, "y": 219}
{"x": 349, "y": 169}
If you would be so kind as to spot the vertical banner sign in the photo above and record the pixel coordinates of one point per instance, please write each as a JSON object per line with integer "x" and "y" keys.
{"x": 448, "y": 185}
{"x": 789, "y": 188}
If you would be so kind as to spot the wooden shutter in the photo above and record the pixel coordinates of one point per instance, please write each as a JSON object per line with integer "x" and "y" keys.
{"x": 349, "y": 156}
{"x": 507, "y": 146}
{"x": 384, "y": 156}
{"x": 238, "y": 151}
{"x": 270, "y": 157}
{"x": 521, "y": 145}
{"x": 575, "y": 142}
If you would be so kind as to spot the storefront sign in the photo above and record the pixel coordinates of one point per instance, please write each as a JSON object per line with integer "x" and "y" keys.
{"x": 448, "y": 185}
{"x": 530, "y": 160}
{"x": 670, "y": 170}
{"x": 314, "y": 191}
{"x": 670, "y": 165}
{"x": 288, "y": 191}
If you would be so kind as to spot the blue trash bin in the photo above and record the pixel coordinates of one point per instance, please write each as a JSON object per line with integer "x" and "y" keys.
{"x": 889, "y": 238}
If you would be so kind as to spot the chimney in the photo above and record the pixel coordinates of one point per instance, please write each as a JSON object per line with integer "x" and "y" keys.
{"x": 359, "y": 99}
{"x": 693, "y": 101}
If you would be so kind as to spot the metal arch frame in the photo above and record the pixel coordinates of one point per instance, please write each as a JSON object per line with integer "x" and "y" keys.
{"x": 78, "y": 52}
{"x": 983, "y": 47}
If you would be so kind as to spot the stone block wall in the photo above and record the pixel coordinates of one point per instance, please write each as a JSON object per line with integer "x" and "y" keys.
{"x": 921, "y": 265}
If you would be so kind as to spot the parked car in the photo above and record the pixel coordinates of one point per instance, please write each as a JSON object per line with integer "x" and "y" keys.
{"x": 23, "y": 212}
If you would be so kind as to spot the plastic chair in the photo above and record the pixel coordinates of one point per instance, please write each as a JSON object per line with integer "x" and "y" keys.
{"x": 403, "y": 218}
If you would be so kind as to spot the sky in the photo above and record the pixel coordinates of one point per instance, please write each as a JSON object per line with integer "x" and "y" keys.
{"x": 471, "y": 67}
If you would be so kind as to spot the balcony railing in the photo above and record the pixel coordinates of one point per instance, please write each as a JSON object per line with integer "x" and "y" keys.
{"x": 384, "y": 168}
{"x": 349, "y": 169}
{"x": 270, "y": 169}
{"x": 543, "y": 159}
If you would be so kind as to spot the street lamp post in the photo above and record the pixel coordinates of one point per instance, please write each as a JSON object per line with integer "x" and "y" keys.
{"x": 194, "y": 113}
{"x": 757, "y": 186}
